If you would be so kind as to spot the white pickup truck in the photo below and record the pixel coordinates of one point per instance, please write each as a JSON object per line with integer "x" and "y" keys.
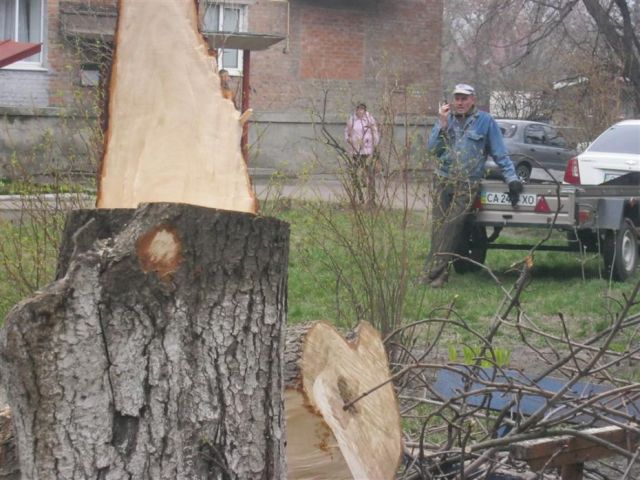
{"x": 597, "y": 218}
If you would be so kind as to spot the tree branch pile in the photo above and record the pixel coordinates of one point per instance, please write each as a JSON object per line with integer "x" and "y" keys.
{"x": 465, "y": 412}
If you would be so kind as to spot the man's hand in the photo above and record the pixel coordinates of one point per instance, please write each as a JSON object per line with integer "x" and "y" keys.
{"x": 515, "y": 188}
{"x": 443, "y": 115}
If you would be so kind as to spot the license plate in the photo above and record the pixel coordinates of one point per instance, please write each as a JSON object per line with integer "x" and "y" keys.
{"x": 502, "y": 198}
{"x": 611, "y": 176}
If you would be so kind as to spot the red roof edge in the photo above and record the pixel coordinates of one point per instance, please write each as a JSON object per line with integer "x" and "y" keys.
{"x": 11, "y": 51}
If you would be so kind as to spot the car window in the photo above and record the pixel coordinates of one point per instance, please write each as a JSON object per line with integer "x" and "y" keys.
{"x": 553, "y": 138}
{"x": 618, "y": 139}
{"x": 534, "y": 134}
{"x": 507, "y": 129}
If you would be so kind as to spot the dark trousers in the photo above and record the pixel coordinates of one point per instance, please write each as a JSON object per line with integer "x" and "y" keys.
{"x": 362, "y": 172}
{"x": 452, "y": 202}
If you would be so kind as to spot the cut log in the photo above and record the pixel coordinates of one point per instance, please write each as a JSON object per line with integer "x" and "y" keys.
{"x": 324, "y": 373}
{"x": 171, "y": 136}
{"x": 158, "y": 353}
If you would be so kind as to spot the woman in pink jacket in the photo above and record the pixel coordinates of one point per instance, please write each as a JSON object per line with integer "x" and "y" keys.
{"x": 362, "y": 139}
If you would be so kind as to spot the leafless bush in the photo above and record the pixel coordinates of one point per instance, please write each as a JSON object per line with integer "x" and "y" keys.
{"x": 463, "y": 424}
{"x": 55, "y": 175}
{"x": 365, "y": 234}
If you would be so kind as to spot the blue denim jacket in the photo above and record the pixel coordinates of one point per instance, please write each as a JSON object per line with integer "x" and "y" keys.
{"x": 463, "y": 148}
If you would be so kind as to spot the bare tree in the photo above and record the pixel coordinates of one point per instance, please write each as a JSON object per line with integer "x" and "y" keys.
{"x": 573, "y": 62}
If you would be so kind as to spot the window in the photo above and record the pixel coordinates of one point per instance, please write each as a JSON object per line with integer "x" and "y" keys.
{"x": 223, "y": 17}
{"x": 618, "y": 139}
{"x": 553, "y": 138}
{"x": 508, "y": 130}
{"x": 89, "y": 75}
{"x": 534, "y": 134}
{"x": 23, "y": 21}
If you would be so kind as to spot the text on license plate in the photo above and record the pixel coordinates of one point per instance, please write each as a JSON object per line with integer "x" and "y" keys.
{"x": 502, "y": 198}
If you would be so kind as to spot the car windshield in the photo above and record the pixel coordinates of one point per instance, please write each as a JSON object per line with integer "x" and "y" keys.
{"x": 618, "y": 139}
{"x": 508, "y": 129}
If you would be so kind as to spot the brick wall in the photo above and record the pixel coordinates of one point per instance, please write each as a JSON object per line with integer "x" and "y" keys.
{"x": 57, "y": 83}
{"x": 65, "y": 56}
{"x": 332, "y": 44}
{"x": 355, "y": 50}
{"x": 352, "y": 49}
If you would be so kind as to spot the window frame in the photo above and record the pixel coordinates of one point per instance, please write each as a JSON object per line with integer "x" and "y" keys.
{"x": 551, "y": 138}
{"x": 242, "y": 27}
{"x": 534, "y": 127}
{"x": 39, "y": 64}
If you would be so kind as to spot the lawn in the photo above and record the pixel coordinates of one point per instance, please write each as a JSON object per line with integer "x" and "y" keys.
{"x": 561, "y": 282}
{"x": 325, "y": 277}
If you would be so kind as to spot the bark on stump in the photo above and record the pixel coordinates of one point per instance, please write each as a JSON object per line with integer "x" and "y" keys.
{"x": 327, "y": 437}
{"x": 9, "y": 467}
{"x": 158, "y": 352}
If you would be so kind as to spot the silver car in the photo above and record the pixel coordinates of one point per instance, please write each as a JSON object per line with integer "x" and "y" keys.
{"x": 531, "y": 145}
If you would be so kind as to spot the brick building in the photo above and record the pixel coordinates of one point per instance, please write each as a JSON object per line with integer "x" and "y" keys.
{"x": 382, "y": 52}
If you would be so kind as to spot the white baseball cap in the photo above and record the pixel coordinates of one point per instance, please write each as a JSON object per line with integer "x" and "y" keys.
{"x": 464, "y": 89}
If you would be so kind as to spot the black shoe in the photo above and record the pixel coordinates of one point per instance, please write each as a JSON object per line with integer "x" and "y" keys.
{"x": 440, "y": 281}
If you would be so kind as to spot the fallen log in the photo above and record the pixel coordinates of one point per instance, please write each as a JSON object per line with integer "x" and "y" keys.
{"x": 324, "y": 373}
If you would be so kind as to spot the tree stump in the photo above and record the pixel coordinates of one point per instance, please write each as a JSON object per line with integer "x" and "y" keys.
{"x": 9, "y": 467}
{"x": 158, "y": 351}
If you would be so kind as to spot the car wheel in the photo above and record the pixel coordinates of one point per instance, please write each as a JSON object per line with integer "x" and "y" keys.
{"x": 620, "y": 251}
{"x": 523, "y": 171}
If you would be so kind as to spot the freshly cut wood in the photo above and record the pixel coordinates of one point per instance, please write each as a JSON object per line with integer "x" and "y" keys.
{"x": 158, "y": 352}
{"x": 324, "y": 373}
{"x": 171, "y": 136}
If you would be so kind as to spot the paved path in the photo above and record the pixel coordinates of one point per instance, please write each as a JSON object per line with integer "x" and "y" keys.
{"x": 315, "y": 187}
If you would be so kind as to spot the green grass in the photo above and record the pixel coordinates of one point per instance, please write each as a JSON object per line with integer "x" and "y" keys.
{"x": 562, "y": 283}
{"x": 19, "y": 187}
{"x": 557, "y": 285}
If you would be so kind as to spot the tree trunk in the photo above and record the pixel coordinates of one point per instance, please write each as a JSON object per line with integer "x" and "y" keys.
{"x": 324, "y": 373}
{"x": 157, "y": 352}
{"x": 9, "y": 467}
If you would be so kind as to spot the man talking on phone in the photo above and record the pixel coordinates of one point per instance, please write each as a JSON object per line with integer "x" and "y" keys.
{"x": 461, "y": 140}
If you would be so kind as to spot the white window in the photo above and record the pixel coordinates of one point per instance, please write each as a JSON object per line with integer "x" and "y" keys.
{"x": 225, "y": 17}
{"x": 23, "y": 21}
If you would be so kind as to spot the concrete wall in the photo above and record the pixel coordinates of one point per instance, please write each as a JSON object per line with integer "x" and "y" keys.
{"x": 24, "y": 88}
{"x": 293, "y": 143}
{"x": 39, "y": 142}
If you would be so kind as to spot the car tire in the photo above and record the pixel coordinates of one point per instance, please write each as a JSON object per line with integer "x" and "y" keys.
{"x": 620, "y": 251}
{"x": 473, "y": 246}
{"x": 523, "y": 171}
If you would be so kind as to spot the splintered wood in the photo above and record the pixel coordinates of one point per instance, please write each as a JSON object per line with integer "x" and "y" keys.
{"x": 323, "y": 374}
{"x": 171, "y": 136}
